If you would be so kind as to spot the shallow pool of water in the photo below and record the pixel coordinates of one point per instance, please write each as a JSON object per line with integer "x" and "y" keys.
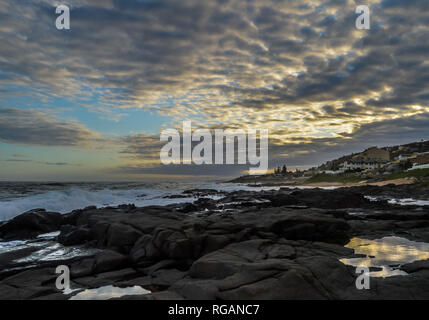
{"x": 387, "y": 253}
{"x": 108, "y": 292}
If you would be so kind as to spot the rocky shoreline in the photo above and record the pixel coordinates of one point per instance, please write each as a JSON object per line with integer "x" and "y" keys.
{"x": 282, "y": 244}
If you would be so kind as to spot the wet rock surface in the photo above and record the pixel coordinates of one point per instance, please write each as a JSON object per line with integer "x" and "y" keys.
{"x": 283, "y": 244}
{"x": 30, "y": 224}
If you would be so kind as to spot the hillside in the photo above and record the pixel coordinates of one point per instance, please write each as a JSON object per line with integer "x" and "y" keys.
{"x": 395, "y": 151}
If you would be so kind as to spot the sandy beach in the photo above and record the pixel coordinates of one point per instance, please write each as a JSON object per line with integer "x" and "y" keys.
{"x": 397, "y": 182}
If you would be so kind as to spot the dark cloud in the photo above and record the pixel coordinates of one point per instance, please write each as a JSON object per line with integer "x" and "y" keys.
{"x": 382, "y": 133}
{"x": 405, "y": 4}
{"x": 56, "y": 163}
{"x": 140, "y": 50}
{"x": 17, "y": 160}
{"x": 142, "y": 147}
{"x": 301, "y": 70}
{"x": 181, "y": 170}
{"x": 40, "y": 162}
{"x": 37, "y": 128}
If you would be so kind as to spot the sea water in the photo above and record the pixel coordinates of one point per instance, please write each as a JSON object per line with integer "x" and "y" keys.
{"x": 19, "y": 197}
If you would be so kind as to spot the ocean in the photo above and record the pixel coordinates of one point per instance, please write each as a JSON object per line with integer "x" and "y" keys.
{"x": 19, "y": 197}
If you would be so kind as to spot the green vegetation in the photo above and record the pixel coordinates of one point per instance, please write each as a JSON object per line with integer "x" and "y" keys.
{"x": 343, "y": 178}
{"x": 421, "y": 174}
{"x": 418, "y": 173}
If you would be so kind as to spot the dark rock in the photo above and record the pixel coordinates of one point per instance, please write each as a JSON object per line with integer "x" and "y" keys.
{"x": 205, "y": 204}
{"x": 331, "y": 199}
{"x": 109, "y": 260}
{"x": 305, "y": 224}
{"x": 202, "y": 192}
{"x": 144, "y": 251}
{"x": 103, "y": 261}
{"x": 176, "y": 196}
{"x": 283, "y": 199}
{"x": 249, "y": 245}
{"x": 161, "y": 265}
{"x": 246, "y": 271}
{"x": 196, "y": 289}
{"x": 82, "y": 268}
{"x": 122, "y": 236}
{"x": 71, "y": 235}
{"x": 29, "y": 284}
{"x": 416, "y": 266}
{"x": 166, "y": 277}
{"x": 30, "y": 224}
{"x": 187, "y": 207}
{"x": 106, "y": 278}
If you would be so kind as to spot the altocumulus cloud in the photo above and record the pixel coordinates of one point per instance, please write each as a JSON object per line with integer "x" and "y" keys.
{"x": 301, "y": 70}
{"x": 37, "y": 128}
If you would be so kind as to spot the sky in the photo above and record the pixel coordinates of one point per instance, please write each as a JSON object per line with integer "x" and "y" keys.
{"x": 89, "y": 103}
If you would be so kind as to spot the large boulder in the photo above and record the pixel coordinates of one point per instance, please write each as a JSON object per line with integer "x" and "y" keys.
{"x": 304, "y": 224}
{"x": 71, "y": 235}
{"x": 416, "y": 266}
{"x": 103, "y": 261}
{"x": 30, "y": 224}
{"x": 261, "y": 269}
{"x": 29, "y": 284}
{"x": 122, "y": 237}
{"x": 167, "y": 244}
{"x": 331, "y": 199}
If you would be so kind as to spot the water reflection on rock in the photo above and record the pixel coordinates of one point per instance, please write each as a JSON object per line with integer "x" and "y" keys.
{"x": 387, "y": 253}
{"x": 108, "y": 292}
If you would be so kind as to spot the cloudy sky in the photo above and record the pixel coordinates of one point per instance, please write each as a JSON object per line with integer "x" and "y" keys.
{"x": 89, "y": 103}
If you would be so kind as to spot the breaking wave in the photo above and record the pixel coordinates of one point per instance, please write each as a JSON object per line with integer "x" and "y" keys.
{"x": 66, "y": 200}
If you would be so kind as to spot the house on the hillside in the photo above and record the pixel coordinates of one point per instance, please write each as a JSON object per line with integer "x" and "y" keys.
{"x": 360, "y": 164}
{"x": 370, "y": 159}
{"x": 373, "y": 154}
{"x": 333, "y": 171}
{"x": 421, "y": 159}
{"x": 404, "y": 157}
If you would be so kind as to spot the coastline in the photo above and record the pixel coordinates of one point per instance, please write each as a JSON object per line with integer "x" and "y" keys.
{"x": 302, "y": 183}
{"x": 396, "y": 182}
{"x": 269, "y": 244}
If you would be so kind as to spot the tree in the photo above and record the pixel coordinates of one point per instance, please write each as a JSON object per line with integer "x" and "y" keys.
{"x": 284, "y": 169}
{"x": 406, "y": 165}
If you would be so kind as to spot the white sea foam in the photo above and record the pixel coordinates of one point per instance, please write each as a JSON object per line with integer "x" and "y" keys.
{"x": 21, "y": 197}
{"x": 66, "y": 200}
{"x": 409, "y": 202}
{"x": 402, "y": 202}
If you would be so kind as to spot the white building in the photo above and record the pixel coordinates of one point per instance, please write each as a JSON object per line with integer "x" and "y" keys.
{"x": 403, "y": 157}
{"x": 362, "y": 165}
{"x": 417, "y": 166}
{"x": 333, "y": 172}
